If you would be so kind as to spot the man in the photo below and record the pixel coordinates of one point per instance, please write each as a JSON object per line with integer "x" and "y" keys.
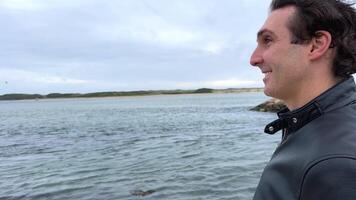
{"x": 307, "y": 51}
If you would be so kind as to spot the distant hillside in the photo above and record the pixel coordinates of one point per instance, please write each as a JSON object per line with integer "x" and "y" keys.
{"x": 130, "y": 93}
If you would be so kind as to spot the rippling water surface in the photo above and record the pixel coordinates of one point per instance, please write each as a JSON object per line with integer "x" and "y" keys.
{"x": 183, "y": 147}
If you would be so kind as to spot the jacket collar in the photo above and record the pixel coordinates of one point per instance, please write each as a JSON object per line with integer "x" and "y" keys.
{"x": 337, "y": 96}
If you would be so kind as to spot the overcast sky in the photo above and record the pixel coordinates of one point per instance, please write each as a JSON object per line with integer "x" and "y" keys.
{"x": 106, "y": 45}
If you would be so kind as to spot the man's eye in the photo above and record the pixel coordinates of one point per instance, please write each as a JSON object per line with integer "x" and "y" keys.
{"x": 267, "y": 40}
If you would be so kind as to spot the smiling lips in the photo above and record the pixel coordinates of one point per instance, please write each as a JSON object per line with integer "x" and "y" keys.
{"x": 267, "y": 75}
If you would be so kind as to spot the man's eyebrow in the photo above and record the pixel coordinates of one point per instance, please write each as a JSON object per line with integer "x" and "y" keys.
{"x": 263, "y": 31}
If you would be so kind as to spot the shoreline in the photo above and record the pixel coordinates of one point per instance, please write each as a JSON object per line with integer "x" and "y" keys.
{"x": 18, "y": 96}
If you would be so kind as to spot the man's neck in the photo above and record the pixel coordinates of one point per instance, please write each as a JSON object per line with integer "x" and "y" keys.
{"x": 310, "y": 91}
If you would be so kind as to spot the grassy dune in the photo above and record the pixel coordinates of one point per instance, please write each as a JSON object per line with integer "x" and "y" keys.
{"x": 130, "y": 93}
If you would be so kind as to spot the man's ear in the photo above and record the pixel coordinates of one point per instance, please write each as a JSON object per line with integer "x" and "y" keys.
{"x": 320, "y": 44}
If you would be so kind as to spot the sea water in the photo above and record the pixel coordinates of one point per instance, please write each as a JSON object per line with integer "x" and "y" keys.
{"x": 182, "y": 147}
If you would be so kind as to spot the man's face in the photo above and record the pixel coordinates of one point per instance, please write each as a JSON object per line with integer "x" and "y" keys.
{"x": 284, "y": 64}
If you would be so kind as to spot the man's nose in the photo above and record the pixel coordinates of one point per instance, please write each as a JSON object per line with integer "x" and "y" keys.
{"x": 256, "y": 58}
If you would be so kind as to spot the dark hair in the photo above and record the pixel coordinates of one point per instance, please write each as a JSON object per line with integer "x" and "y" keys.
{"x": 334, "y": 16}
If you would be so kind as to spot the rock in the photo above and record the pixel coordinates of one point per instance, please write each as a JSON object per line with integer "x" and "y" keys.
{"x": 141, "y": 192}
{"x": 272, "y": 105}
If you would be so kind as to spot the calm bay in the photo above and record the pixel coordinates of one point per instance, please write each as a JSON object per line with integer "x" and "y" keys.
{"x": 182, "y": 147}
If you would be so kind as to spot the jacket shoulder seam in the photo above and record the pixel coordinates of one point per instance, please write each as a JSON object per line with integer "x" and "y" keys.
{"x": 318, "y": 161}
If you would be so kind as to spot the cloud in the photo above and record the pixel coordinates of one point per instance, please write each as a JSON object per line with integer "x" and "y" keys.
{"x": 231, "y": 83}
{"x": 179, "y": 24}
{"x": 213, "y": 47}
{"x": 219, "y": 84}
{"x": 88, "y": 45}
{"x": 30, "y": 5}
{"x": 29, "y": 77}
{"x": 163, "y": 35}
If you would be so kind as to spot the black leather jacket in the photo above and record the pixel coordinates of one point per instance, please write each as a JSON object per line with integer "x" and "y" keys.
{"x": 316, "y": 159}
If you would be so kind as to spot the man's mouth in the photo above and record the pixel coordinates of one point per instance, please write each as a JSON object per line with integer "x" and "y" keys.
{"x": 266, "y": 71}
{"x": 267, "y": 74}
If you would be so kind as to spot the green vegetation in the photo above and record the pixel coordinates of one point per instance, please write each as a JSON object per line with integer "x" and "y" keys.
{"x": 129, "y": 93}
{"x": 204, "y": 90}
{"x": 59, "y": 95}
{"x": 20, "y": 96}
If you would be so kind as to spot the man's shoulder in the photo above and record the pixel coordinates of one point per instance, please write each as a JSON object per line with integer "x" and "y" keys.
{"x": 330, "y": 178}
{"x": 336, "y": 119}
{"x": 335, "y": 130}
{"x": 331, "y": 135}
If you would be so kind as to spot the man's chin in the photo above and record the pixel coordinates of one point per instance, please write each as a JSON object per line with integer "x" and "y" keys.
{"x": 268, "y": 91}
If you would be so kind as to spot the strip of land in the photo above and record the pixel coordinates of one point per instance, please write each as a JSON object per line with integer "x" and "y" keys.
{"x": 129, "y": 93}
